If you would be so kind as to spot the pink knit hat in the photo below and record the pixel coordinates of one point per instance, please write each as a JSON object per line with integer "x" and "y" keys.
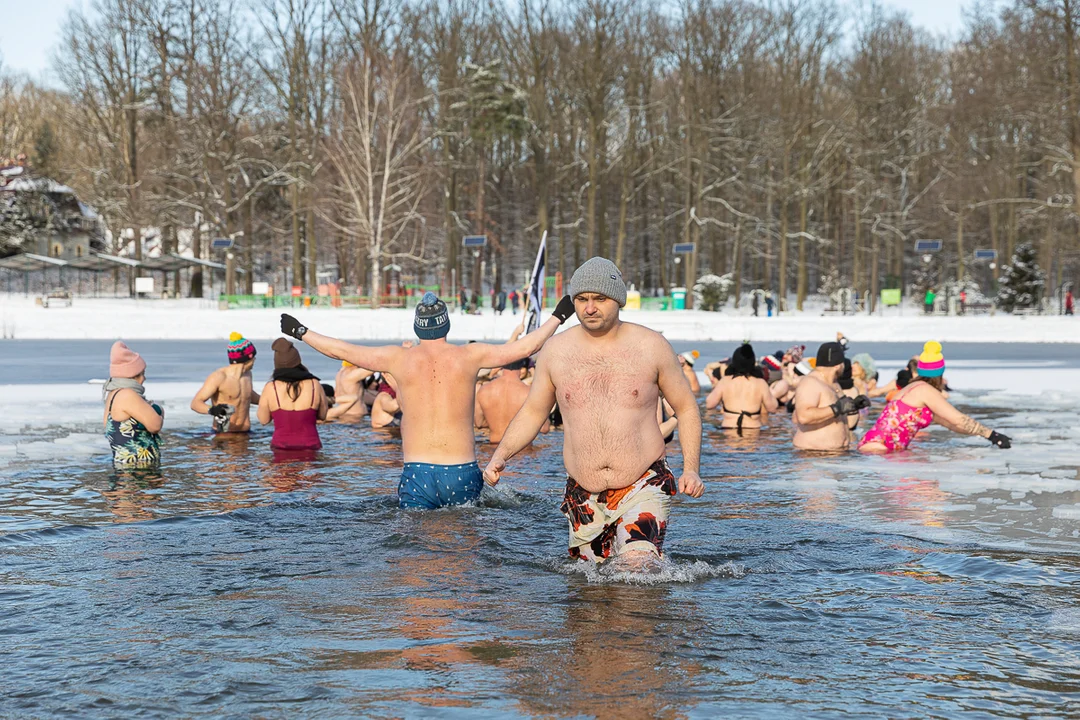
{"x": 125, "y": 362}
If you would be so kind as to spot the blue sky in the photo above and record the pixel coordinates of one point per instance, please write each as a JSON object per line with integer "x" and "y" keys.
{"x": 30, "y": 28}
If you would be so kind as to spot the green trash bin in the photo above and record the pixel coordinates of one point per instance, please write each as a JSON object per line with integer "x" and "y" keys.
{"x": 678, "y": 298}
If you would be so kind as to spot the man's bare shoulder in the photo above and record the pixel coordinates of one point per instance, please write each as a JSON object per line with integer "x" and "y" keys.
{"x": 647, "y": 339}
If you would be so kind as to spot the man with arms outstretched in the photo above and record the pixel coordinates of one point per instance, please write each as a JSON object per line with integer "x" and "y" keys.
{"x": 436, "y": 385}
{"x": 607, "y": 376}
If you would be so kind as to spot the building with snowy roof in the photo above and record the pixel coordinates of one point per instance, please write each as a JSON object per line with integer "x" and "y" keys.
{"x": 41, "y": 216}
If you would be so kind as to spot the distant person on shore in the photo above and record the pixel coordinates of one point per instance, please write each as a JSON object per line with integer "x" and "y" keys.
{"x": 1068, "y": 302}
{"x": 755, "y": 303}
{"x": 436, "y": 394}
{"x": 607, "y": 376}
{"x": 131, "y": 423}
{"x": 769, "y": 305}
{"x": 512, "y": 298}
{"x": 349, "y": 383}
{"x": 293, "y": 401}
{"x": 820, "y": 413}
{"x": 742, "y": 395}
{"x": 918, "y": 406}
{"x": 928, "y": 302}
{"x": 498, "y": 401}
{"x": 229, "y": 391}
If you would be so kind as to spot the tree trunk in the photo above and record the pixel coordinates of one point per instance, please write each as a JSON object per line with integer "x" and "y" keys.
{"x": 624, "y": 203}
{"x": 312, "y": 247}
{"x": 477, "y": 281}
{"x": 297, "y": 250}
{"x": 196, "y": 252}
{"x": 875, "y": 251}
{"x": 800, "y": 283}
{"x": 781, "y": 302}
{"x": 960, "y": 246}
{"x": 450, "y": 228}
{"x": 249, "y": 245}
{"x": 736, "y": 261}
{"x": 594, "y": 179}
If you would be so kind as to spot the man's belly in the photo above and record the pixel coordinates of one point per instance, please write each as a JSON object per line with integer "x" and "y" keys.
{"x": 608, "y": 458}
{"x": 833, "y": 437}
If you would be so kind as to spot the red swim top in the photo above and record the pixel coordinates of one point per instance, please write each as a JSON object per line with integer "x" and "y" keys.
{"x": 295, "y": 429}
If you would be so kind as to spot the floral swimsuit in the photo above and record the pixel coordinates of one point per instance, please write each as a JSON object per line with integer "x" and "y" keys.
{"x": 133, "y": 446}
{"x": 898, "y": 425}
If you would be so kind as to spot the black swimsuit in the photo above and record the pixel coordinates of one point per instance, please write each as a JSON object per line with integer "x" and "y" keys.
{"x": 740, "y": 413}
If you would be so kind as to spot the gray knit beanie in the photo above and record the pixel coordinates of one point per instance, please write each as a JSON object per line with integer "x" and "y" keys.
{"x": 599, "y": 275}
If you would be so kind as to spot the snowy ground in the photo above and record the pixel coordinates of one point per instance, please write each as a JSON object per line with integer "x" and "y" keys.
{"x": 200, "y": 319}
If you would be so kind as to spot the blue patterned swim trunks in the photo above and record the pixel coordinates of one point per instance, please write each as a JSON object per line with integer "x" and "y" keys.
{"x": 428, "y": 486}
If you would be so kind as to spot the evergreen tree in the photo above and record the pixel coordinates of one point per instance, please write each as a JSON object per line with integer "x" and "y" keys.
{"x": 1022, "y": 281}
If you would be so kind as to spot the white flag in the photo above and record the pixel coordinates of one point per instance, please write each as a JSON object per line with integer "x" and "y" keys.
{"x": 536, "y": 287}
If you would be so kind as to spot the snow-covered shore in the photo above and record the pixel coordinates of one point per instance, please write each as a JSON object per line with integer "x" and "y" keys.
{"x": 104, "y": 319}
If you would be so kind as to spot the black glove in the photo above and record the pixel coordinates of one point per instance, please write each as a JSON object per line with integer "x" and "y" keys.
{"x": 1002, "y": 441}
{"x": 844, "y": 406}
{"x": 862, "y": 402}
{"x": 564, "y": 309}
{"x": 291, "y": 326}
{"x": 790, "y": 405}
{"x": 221, "y": 410}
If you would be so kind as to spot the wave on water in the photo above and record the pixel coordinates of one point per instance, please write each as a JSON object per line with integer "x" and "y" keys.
{"x": 53, "y": 534}
{"x": 649, "y": 571}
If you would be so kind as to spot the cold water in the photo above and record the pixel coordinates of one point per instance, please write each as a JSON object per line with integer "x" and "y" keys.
{"x": 938, "y": 583}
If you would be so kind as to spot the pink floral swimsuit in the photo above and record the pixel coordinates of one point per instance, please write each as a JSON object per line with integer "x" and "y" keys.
{"x": 898, "y": 425}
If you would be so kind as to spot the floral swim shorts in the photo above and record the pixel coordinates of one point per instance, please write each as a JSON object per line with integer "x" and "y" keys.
{"x": 612, "y": 522}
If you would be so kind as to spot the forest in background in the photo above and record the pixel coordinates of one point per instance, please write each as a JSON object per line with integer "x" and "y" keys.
{"x": 802, "y": 145}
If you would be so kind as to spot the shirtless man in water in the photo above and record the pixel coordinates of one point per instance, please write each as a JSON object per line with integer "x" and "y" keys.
{"x": 498, "y": 401}
{"x": 228, "y": 390}
{"x": 820, "y": 412}
{"x": 436, "y": 385}
{"x": 347, "y": 386}
{"x": 607, "y": 376}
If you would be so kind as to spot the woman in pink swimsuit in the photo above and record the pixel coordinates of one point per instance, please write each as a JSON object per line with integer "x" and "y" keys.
{"x": 920, "y": 404}
{"x": 293, "y": 401}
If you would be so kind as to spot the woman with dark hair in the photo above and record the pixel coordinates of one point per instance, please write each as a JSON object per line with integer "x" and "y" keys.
{"x": 293, "y": 400}
{"x": 743, "y": 387}
{"x": 920, "y": 404}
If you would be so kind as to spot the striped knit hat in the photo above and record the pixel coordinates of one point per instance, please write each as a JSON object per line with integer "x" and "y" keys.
{"x": 931, "y": 362}
{"x": 240, "y": 349}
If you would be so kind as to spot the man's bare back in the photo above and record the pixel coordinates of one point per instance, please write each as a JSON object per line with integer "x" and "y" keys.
{"x": 436, "y": 385}
{"x": 499, "y": 402}
{"x": 230, "y": 385}
{"x": 347, "y": 385}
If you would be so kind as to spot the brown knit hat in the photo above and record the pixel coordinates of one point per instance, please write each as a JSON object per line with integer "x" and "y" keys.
{"x": 285, "y": 355}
